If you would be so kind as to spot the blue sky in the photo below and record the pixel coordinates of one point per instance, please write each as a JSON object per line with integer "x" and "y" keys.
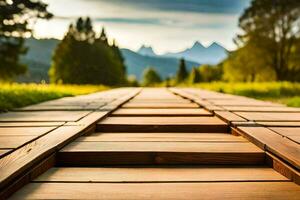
{"x": 166, "y": 25}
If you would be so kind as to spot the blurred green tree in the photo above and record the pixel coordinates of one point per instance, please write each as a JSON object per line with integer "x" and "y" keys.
{"x": 16, "y": 20}
{"x": 210, "y": 73}
{"x": 195, "y": 76}
{"x": 83, "y": 58}
{"x": 272, "y": 26}
{"x": 150, "y": 77}
{"x": 182, "y": 72}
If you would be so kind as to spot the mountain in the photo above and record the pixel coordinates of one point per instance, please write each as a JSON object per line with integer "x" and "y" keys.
{"x": 213, "y": 54}
{"x": 137, "y": 63}
{"x": 146, "y": 51}
{"x": 38, "y": 59}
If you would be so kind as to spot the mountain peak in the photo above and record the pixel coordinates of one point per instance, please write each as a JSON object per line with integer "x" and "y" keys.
{"x": 215, "y": 45}
{"x": 146, "y": 51}
{"x": 198, "y": 45}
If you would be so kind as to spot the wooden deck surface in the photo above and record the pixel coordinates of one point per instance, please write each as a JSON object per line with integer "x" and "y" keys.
{"x": 135, "y": 144}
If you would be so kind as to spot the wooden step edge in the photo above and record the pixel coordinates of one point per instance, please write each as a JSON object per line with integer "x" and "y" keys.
{"x": 209, "y": 128}
{"x": 80, "y": 159}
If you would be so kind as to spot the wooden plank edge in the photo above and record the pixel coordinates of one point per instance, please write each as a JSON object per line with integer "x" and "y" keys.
{"x": 84, "y": 125}
{"x": 24, "y": 179}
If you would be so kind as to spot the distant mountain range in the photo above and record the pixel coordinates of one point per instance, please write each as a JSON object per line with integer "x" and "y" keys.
{"x": 40, "y": 52}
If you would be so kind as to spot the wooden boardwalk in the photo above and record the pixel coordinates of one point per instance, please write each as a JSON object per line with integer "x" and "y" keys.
{"x": 151, "y": 143}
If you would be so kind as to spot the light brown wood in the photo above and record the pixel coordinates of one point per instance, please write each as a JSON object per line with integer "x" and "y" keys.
{"x": 43, "y": 116}
{"x": 275, "y": 143}
{"x": 24, "y": 131}
{"x": 161, "y": 112}
{"x": 31, "y": 124}
{"x": 131, "y": 153}
{"x": 162, "y": 174}
{"x": 162, "y": 191}
{"x": 260, "y": 109}
{"x": 161, "y": 137}
{"x": 4, "y": 151}
{"x": 160, "y": 105}
{"x": 268, "y": 116}
{"x": 24, "y": 158}
{"x": 11, "y": 142}
{"x": 229, "y": 116}
{"x": 162, "y": 124}
{"x": 246, "y": 102}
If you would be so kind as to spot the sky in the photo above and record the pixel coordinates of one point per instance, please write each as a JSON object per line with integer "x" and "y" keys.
{"x": 166, "y": 25}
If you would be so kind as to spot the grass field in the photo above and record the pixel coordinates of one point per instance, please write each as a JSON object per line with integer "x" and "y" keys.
{"x": 19, "y": 95}
{"x": 282, "y": 92}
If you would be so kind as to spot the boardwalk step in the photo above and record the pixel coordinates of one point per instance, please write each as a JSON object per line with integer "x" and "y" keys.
{"x": 161, "y": 112}
{"x": 166, "y": 191}
{"x": 162, "y": 124}
{"x": 160, "y": 174}
{"x": 140, "y": 153}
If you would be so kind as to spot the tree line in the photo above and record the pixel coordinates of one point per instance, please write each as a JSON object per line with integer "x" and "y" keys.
{"x": 82, "y": 57}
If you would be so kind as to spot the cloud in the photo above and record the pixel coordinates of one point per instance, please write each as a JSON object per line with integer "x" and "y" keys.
{"x": 198, "y": 6}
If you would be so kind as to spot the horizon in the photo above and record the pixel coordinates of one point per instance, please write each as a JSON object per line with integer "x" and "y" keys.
{"x": 132, "y": 24}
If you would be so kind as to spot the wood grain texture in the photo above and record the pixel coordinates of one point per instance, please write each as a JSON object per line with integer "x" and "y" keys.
{"x": 11, "y": 142}
{"x": 30, "y": 124}
{"x": 260, "y": 109}
{"x": 24, "y": 131}
{"x": 269, "y": 116}
{"x": 162, "y": 174}
{"x": 229, "y": 116}
{"x": 165, "y": 191}
{"x": 43, "y": 116}
{"x": 162, "y": 137}
{"x": 154, "y": 105}
{"x": 162, "y": 124}
{"x": 22, "y": 159}
{"x": 161, "y": 112}
{"x": 132, "y": 153}
{"x": 273, "y": 142}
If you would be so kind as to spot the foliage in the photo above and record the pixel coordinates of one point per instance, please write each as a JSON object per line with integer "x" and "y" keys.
{"x": 19, "y": 95}
{"x": 210, "y": 73}
{"x": 84, "y": 58}
{"x": 242, "y": 65}
{"x": 150, "y": 77}
{"x": 16, "y": 18}
{"x": 195, "y": 76}
{"x": 182, "y": 72}
{"x": 272, "y": 27}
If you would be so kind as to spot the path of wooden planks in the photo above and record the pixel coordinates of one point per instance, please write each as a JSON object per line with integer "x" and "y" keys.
{"x": 151, "y": 144}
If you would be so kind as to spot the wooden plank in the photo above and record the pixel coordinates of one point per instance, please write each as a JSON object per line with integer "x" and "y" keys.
{"x": 268, "y": 116}
{"x": 260, "y": 109}
{"x": 161, "y": 137}
{"x": 293, "y": 133}
{"x": 166, "y": 191}
{"x": 273, "y": 142}
{"x": 31, "y": 124}
{"x": 160, "y": 105}
{"x": 278, "y": 124}
{"x": 24, "y": 131}
{"x": 229, "y": 116}
{"x": 22, "y": 159}
{"x": 43, "y": 116}
{"x": 4, "y": 151}
{"x": 11, "y": 142}
{"x": 161, "y": 112}
{"x": 165, "y": 174}
{"x": 108, "y": 153}
{"x": 162, "y": 124}
{"x": 246, "y": 102}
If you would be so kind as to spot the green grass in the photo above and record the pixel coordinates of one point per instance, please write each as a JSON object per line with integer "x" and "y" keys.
{"x": 282, "y": 92}
{"x": 19, "y": 95}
